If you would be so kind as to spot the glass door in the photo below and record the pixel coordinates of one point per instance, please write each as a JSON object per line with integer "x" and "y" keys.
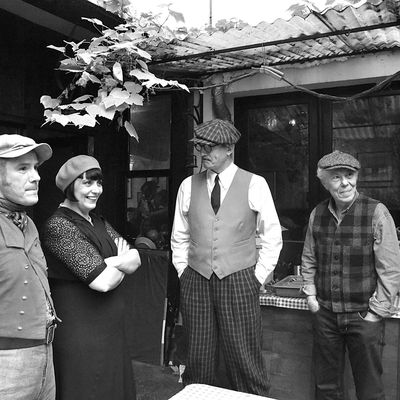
{"x": 147, "y": 182}
{"x": 276, "y": 145}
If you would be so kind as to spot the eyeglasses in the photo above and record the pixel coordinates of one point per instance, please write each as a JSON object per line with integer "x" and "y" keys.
{"x": 206, "y": 148}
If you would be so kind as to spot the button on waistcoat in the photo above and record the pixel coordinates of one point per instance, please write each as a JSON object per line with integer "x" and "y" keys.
{"x": 222, "y": 243}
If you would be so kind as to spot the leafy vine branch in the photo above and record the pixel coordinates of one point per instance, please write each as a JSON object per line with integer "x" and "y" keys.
{"x": 110, "y": 75}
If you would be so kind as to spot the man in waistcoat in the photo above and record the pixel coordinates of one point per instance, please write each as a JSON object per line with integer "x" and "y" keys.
{"x": 218, "y": 214}
{"x": 351, "y": 271}
{"x": 27, "y": 317}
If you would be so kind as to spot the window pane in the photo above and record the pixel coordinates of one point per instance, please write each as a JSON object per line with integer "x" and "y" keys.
{"x": 147, "y": 211}
{"x": 369, "y": 129}
{"x": 152, "y": 122}
{"x": 278, "y": 151}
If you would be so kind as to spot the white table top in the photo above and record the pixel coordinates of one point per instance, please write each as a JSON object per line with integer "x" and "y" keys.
{"x": 198, "y": 391}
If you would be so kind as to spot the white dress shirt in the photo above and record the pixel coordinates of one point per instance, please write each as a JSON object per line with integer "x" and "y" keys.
{"x": 260, "y": 201}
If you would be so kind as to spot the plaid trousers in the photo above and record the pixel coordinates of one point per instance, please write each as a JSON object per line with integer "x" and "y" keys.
{"x": 223, "y": 314}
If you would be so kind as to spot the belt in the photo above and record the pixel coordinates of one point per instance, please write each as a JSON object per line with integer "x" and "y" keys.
{"x": 7, "y": 343}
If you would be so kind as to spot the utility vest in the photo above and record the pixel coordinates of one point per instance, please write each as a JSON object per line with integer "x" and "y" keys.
{"x": 222, "y": 243}
{"x": 346, "y": 276}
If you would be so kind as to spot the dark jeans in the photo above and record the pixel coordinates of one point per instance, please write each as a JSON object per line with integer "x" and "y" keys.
{"x": 334, "y": 333}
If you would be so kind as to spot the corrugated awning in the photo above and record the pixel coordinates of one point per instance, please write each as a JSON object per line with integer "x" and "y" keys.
{"x": 335, "y": 33}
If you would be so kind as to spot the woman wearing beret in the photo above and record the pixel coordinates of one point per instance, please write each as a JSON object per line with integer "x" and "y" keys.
{"x": 87, "y": 261}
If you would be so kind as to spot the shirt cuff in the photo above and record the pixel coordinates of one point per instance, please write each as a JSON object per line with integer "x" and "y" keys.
{"x": 95, "y": 273}
{"x": 382, "y": 308}
{"x": 309, "y": 290}
{"x": 180, "y": 268}
{"x": 260, "y": 277}
{"x": 262, "y": 273}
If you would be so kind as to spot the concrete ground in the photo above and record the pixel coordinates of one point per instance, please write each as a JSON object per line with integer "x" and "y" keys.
{"x": 154, "y": 382}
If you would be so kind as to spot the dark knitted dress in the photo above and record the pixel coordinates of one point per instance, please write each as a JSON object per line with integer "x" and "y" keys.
{"x": 91, "y": 357}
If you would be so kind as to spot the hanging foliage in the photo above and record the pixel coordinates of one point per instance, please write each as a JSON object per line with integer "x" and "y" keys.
{"x": 109, "y": 75}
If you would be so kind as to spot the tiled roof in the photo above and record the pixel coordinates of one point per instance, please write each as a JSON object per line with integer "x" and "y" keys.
{"x": 317, "y": 37}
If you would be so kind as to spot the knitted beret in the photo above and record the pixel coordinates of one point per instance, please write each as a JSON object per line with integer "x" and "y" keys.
{"x": 74, "y": 167}
{"x": 338, "y": 159}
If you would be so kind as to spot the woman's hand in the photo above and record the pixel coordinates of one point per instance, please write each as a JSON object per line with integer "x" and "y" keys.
{"x": 122, "y": 245}
{"x": 126, "y": 262}
{"x": 129, "y": 261}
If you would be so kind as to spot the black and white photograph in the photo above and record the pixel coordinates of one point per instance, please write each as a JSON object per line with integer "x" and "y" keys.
{"x": 200, "y": 200}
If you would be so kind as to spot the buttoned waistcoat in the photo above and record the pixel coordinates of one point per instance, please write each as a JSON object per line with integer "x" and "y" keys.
{"x": 23, "y": 282}
{"x": 222, "y": 243}
{"x": 346, "y": 276}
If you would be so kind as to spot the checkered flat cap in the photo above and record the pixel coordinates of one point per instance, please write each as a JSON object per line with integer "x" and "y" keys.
{"x": 338, "y": 159}
{"x": 216, "y": 131}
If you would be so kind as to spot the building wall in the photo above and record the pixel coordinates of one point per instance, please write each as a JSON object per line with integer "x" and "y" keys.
{"x": 366, "y": 128}
{"x": 353, "y": 71}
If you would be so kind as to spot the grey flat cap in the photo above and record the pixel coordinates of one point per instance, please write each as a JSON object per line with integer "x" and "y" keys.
{"x": 338, "y": 159}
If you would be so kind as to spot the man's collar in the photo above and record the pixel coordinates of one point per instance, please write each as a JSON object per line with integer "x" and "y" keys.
{"x": 226, "y": 171}
{"x": 224, "y": 176}
{"x": 332, "y": 206}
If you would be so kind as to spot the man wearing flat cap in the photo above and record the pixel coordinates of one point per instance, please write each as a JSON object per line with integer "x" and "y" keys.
{"x": 218, "y": 214}
{"x": 27, "y": 316}
{"x": 351, "y": 271}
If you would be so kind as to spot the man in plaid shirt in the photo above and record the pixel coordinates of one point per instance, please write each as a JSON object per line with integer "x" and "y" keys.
{"x": 351, "y": 271}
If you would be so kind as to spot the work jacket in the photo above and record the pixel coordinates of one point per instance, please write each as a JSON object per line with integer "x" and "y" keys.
{"x": 23, "y": 282}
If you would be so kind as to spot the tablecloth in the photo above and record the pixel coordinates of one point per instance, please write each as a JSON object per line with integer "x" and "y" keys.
{"x": 198, "y": 391}
{"x": 298, "y": 303}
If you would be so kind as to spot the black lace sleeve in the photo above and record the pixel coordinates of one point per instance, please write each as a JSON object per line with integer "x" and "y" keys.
{"x": 67, "y": 244}
{"x": 111, "y": 231}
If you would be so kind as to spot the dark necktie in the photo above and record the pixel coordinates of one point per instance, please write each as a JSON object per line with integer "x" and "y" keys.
{"x": 216, "y": 195}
